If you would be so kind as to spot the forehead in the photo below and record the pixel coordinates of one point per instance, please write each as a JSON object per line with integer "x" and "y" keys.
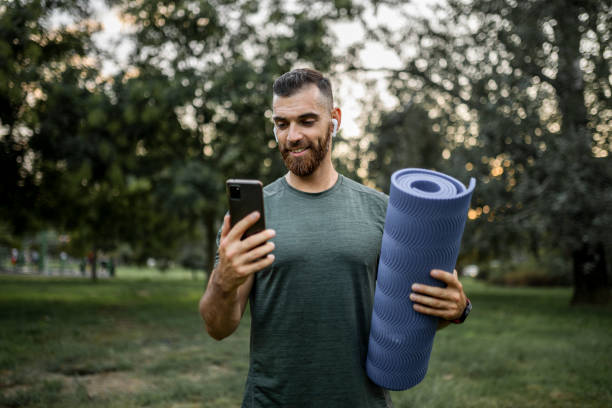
{"x": 306, "y": 100}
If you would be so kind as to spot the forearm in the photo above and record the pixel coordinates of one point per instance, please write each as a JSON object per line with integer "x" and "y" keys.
{"x": 230, "y": 283}
{"x": 220, "y": 310}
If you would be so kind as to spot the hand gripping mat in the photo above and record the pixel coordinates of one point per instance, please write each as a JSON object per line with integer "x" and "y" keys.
{"x": 423, "y": 228}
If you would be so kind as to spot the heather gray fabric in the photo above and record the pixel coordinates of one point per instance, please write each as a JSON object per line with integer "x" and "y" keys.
{"x": 311, "y": 308}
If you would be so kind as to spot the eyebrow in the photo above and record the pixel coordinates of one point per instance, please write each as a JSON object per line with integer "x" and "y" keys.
{"x": 308, "y": 115}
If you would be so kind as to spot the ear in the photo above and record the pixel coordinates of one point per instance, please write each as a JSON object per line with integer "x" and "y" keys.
{"x": 336, "y": 115}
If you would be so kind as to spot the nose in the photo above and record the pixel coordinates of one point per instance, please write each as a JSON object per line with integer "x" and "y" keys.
{"x": 294, "y": 133}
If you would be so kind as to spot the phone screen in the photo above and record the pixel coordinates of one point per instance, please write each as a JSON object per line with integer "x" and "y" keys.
{"x": 244, "y": 197}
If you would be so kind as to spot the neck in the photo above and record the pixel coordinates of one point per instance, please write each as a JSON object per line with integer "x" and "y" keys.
{"x": 323, "y": 178}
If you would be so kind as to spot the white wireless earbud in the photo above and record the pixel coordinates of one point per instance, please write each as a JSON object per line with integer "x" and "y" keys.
{"x": 275, "y": 137}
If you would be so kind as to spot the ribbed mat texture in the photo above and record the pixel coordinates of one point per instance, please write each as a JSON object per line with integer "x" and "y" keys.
{"x": 425, "y": 219}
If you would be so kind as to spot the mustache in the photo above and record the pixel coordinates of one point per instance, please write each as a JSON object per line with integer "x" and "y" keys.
{"x": 299, "y": 144}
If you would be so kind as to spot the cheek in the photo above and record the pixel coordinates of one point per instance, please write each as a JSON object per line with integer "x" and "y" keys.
{"x": 319, "y": 133}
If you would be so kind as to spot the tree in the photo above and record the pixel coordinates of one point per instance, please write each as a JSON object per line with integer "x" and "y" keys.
{"x": 99, "y": 150}
{"x": 81, "y": 150}
{"x": 522, "y": 93}
{"x": 33, "y": 54}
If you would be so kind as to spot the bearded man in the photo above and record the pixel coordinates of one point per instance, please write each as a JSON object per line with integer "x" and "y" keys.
{"x": 311, "y": 291}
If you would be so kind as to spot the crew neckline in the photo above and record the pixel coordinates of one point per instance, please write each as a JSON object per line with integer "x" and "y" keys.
{"x": 313, "y": 195}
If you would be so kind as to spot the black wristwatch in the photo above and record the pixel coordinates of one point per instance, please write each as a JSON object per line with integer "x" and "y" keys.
{"x": 464, "y": 315}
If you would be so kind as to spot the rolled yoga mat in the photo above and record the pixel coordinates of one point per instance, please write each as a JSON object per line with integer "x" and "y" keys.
{"x": 425, "y": 218}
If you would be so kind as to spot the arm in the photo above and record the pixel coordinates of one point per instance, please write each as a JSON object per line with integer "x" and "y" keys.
{"x": 447, "y": 303}
{"x": 230, "y": 283}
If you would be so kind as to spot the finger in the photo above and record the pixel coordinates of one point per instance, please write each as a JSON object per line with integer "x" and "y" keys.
{"x": 259, "y": 265}
{"x": 432, "y": 302}
{"x": 258, "y": 252}
{"x": 446, "y": 277}
{"x": 256, "y": 240}
{"x": 226, "y": 226}
{"x": 243, "y": 225}
{"x": 428, "y": 310}
{"x": 432, "y": 291}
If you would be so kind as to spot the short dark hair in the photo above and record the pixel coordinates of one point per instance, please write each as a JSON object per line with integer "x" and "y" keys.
{"x": 291, "y": 82}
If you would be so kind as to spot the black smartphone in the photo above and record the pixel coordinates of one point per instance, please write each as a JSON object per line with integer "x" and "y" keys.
{"x": 244, "y": 197}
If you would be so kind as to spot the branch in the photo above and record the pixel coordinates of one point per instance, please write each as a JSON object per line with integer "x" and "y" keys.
{"x": 418, "y": 74}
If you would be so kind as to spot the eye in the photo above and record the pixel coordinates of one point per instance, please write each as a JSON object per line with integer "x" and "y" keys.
{"x": 308, "y": 122}
{"x": 281, "y": 125}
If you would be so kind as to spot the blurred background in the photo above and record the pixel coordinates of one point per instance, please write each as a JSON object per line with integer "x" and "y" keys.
{"x": 120, "y": 121}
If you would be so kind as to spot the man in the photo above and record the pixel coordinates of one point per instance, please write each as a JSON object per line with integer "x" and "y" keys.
{"x": 311, "y": 300}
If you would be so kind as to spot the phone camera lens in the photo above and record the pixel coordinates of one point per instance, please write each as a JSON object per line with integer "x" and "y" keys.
{"x": 235, "y": 192}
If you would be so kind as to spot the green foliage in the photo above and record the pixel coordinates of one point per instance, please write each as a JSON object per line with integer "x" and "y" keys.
{"x": 140, "y": 158}
{"x": 32, "y": 55}
{"x": 74, "y": 139}
{"x": 521, "y": 96}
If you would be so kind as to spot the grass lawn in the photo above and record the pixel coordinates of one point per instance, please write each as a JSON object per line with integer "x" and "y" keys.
{"x": 140, "y": 342}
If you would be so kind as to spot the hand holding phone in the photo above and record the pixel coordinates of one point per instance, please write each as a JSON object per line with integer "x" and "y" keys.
{"x": 244, "y": 248}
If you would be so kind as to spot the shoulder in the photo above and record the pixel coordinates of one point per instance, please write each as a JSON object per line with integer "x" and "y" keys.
{"x": 274, "y": 188}
{"x": 370, "y": 193}
{"x": 374, "y": 199}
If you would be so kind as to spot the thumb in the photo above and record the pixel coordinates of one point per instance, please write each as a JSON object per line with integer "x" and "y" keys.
{"x": 226, "y": 226}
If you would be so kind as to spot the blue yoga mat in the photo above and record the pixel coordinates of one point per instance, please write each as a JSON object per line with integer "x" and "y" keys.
{"x": 425, "y": 219}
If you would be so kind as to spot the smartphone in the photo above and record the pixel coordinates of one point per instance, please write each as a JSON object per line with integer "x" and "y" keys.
{"x": 244, "y": 197}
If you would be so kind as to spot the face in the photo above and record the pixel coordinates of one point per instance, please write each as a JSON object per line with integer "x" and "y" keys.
{"x": 302, "y": 123}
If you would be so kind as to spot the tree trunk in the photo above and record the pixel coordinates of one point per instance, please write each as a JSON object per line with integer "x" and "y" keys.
{"x": 570, "y": 86}
{"x": 590, "y": 275}
{"x": 589, "y": 263}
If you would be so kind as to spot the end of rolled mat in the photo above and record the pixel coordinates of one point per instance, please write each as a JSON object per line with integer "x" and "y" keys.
{"x": 430, "y": 184}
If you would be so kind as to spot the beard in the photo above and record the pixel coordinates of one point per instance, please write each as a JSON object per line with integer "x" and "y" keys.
{"x": 304, "y": 166}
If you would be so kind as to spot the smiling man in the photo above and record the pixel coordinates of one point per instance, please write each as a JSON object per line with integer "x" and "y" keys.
{"x": 311, "y": 299}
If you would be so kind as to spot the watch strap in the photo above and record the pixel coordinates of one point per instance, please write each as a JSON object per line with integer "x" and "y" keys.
{"x": 466, "y": 312}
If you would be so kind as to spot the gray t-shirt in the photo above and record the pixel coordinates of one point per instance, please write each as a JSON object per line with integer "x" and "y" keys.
{"x": 311, "y": 309}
